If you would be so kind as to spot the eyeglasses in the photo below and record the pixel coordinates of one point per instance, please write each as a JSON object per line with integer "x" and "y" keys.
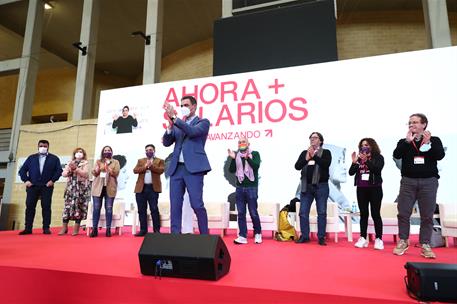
{"x": 314, "y": 137}
{"x": 185, "y": 105}
{"x": 413, "y": 123}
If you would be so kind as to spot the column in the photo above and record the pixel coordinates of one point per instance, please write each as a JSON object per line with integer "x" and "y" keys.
{"x": 28, "y": 70}
{"x": 82, "y": 103}
{"x": 436, "y": 23}
{"x": 153, "y": 51}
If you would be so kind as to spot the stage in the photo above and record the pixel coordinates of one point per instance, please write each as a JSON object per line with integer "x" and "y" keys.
{"x": 65, "y": 269}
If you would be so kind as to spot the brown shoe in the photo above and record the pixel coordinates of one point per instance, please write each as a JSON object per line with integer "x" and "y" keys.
{"x": 64, "y": 229}
{"x": 76, "y": 229}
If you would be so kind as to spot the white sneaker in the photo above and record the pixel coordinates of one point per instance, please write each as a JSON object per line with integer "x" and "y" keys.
{"x": 378, "y": 244}
{"x": 258, "y": 238}
{"x": 240, "y": 240}
{"x": 361, "y": 243}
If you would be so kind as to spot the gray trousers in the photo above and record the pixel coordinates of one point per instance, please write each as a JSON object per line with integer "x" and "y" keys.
{"x": 424, "y": 191}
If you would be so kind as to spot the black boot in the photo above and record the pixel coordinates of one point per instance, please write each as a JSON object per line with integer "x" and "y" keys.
{"x": 302, "y": 239}
{"x": 94, "y": 232}
{"x": 108, "y": 232}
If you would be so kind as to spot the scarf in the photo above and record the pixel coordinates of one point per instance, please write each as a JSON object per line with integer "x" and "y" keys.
{"x": 316, "y": 172}
{"x": 247, "y": 170}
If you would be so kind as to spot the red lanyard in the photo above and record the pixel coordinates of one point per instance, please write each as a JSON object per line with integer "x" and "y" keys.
{"x": 413, "y": 142}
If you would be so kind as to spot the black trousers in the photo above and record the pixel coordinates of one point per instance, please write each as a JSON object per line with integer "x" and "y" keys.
{"x": 370, "y": 197}
{"x": 33, "y": 194}
{"x": 148, "y": 196}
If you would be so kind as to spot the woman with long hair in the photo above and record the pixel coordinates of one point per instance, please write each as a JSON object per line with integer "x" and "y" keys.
{"x": 367, "y": 166}
{"x": 106, "y": 171}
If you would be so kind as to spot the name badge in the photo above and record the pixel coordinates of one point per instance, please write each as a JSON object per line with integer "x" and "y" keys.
{"x": 365, "y": 177}
{"x": 311, "y": 163}
{"x": 102, "y": 174}
{"x": 419, "y": 160}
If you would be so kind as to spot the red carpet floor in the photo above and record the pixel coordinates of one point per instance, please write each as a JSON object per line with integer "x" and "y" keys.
{"x": 64, "y": 269}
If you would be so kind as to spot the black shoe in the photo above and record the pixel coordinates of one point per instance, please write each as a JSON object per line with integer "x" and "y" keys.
{"x": 94, "y": 232}
{"x": 322, "y": 242}
{"x": 302, "y": 239}
{"x": 108, "y": 232}
{"x": 46, "y": 231}
{"x": 26, "y": 231}
{"x": 141, "y": 233}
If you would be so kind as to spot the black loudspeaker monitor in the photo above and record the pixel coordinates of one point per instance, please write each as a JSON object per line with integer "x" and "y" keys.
{"x": 190, "y": 256}
{"x": 432, "y": 281}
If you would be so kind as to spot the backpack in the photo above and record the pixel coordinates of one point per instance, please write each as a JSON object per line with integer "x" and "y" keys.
{"x": 286, "y": 232}
{"x": 437, "y": 239}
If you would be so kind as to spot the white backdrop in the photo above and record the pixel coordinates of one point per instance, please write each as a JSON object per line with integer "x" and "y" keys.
{"x": 344, "y": 100}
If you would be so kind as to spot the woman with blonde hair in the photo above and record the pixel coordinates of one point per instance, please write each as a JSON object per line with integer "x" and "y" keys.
{"x": 106, "y": 171}
{"x": 77, "y": 191}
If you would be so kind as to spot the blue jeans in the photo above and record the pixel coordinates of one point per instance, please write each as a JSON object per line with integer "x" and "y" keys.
{"x": 247, "y": 195}
{"x": 320, "y": 193}
{"x": 109, "y": 201}
{"x": 142, "y": 199}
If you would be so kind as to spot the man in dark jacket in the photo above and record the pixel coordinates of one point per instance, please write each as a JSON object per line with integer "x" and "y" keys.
{"x": 39, "y": 173}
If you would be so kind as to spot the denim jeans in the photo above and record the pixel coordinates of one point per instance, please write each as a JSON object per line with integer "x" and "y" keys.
{"x": 320, "y": 193}
{"x": 109, "y": 201}
{"x": 247, "y": 196}
{"x": 148, "y": 196}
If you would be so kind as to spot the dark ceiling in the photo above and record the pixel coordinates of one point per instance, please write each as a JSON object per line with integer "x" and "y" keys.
{"x": 185, "y": 22}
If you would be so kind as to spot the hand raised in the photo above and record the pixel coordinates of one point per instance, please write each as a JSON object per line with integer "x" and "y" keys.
{"x": 354, "y": 157}
{"x": 231, "y": 153}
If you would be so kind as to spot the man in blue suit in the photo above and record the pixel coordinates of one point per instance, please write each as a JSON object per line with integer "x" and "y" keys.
{"x": 39, "y": 173}
{"x": 189, "y": 162}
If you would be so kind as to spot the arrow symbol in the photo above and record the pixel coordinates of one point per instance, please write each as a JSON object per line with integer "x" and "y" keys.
{"x": 268, "y": 133}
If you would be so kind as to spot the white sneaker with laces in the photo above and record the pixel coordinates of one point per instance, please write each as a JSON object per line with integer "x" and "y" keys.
{"x": 258, "y": 238}
{"x": 378, "y": 244}
{"x": 240, "y": 240}
{"x": 361, "y": 243}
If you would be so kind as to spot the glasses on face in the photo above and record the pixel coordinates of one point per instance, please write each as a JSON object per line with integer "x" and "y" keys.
{"x": 314, "y": 137}
{"x": 413, "y": 123}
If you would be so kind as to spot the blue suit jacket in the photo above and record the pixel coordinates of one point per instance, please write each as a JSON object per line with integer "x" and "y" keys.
{"x": 191, "y": 140}
{"x": 30, "y": 170}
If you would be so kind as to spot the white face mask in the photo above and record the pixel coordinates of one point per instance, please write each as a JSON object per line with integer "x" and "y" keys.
{"x": 79, "y": 155}
{"x": 185, "y": 111}
{"x": 42, "y": 150}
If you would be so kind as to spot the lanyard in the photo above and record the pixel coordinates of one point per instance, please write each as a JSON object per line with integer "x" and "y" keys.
{"x": 413, "y": 143}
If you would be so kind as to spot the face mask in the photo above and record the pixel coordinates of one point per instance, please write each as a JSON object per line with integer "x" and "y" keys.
{"x": 365, "y": 150}
{"x": 149, "y": 154}
{"x": 107, "y": 154}
{"x": 185, "y": 111}
{"x": 243, "y": 147}
{"x": 79, "y": 155}
{"x": 42, "y": 150}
